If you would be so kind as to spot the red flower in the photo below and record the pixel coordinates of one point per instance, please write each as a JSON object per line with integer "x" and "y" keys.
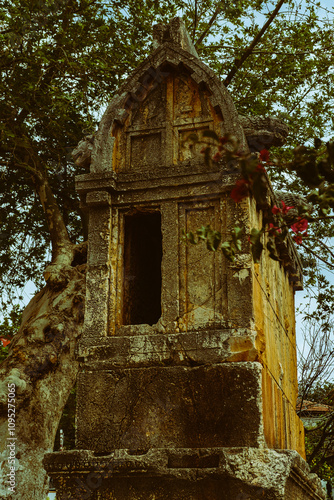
{"x": 276, "y": 210}
{"x": 274, "y": 229}
{"x": 264, "y": 155}
{"x": 297, "y": 238}
{"x": 240, "y": 191}
{"x": 285, "y": 209}
{"x": 260, "y": 168}
{"x": 5, "y": 342}
{"x": 300, "y": 226}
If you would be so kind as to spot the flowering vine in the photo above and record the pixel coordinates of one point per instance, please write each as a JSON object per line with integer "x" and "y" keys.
{"x": 253, "y": 182}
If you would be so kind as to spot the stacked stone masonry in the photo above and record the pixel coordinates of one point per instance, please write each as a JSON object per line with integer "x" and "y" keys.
{"x": 188, "y": 384}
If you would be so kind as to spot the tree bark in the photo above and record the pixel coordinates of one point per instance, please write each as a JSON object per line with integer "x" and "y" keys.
{"x": 42, "y": 365}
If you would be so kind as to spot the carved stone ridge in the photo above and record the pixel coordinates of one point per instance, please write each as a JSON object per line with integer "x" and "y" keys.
{"x": 262, "y": 132}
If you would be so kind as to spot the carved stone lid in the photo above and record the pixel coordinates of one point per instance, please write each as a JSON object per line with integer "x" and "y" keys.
{"x": 136, "y": 152}
{"x": 173, "y": 56}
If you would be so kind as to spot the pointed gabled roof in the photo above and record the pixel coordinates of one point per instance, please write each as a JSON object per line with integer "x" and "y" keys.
{"x": 173, "y": 50}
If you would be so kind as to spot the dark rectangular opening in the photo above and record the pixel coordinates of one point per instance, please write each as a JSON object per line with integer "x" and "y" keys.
{"x": 142, "y": 269}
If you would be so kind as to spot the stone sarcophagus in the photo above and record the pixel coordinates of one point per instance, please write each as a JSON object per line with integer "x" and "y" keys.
{"x": 188, "y": 384}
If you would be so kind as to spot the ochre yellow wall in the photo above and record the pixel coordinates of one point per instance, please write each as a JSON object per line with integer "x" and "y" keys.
{"x": 283, "y": 429}
{"x": 274, "y": 316}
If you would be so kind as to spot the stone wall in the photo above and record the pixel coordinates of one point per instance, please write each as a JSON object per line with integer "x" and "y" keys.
{"x": 188, "y": 382}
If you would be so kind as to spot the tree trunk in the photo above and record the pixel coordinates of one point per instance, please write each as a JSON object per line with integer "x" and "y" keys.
{"x": 42, "y": 368}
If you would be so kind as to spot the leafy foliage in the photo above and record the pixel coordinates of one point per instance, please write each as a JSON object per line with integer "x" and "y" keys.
{"x": 319, "y": 435}
{"x": 213, "y": 238}
{"x": 315, "y": 367}
{"x": 9, "y": 326}
{"x": 62, "y": 60}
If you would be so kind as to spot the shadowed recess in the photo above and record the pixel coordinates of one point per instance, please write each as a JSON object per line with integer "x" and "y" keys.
{"x": 142, "y": 269}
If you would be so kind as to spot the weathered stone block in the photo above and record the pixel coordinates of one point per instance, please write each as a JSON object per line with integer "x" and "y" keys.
{"x": 149, "y": 348}
{"x": 175, "y": 474}
{"x": 145, "y": 408}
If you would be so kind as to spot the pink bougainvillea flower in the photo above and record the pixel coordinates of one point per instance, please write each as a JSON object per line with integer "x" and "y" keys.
{"x": 285, "y": 208}
{"x": 240, "y": 191}
{"x": 260, "y": 168}
{"x": 298, "y": 238}
{"x": 264, "y": 155}
{"x": 300, "y": 226}
{"x": 274, "y": 229}
{"x": 5, "y": 342}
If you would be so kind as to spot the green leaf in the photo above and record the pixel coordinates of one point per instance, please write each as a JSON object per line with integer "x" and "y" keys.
{"x": 236, "y": 234}
{"x": 213, "y": 240}
{"x": 191, "y": 238}
{"x": 271, "y": 247}
{"x": 257, "y": 246}
{"x": 203, "y": 232}
{"x": 228, "y": 251}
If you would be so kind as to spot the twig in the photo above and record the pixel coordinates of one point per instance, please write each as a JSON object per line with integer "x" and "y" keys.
{"x": 317, "y": 255}
{"x": 210, "y": 23}
{"x": 195, "y": 21}
{"x": 239, "y": 62}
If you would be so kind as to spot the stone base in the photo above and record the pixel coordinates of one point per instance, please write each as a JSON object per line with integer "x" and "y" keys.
{"x": 184, "y": 474}
{"x": 219, "y": 405}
